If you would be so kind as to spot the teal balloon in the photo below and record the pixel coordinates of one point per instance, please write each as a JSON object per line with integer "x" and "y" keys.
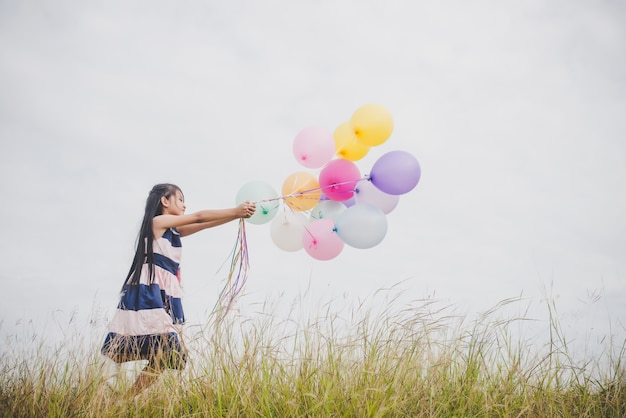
{"x": 327, "y": 209}
{"x": 264, "y": 196}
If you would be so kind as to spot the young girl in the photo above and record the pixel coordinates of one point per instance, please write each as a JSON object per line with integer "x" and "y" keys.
{"x": 144, "y": 326}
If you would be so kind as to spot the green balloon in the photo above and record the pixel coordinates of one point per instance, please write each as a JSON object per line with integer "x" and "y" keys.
{"x": 265, "y": 198}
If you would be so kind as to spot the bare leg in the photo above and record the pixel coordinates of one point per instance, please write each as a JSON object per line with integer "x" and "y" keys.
{"x": 148, "y": 376}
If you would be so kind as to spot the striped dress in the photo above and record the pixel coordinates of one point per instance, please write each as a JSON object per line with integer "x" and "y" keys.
{"x": 143, "y": 326}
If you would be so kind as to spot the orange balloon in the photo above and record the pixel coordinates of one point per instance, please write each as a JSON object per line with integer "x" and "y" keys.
{"x": 372, "y": 124}
{"x": 301, "y": 191}
{"x": 346, "y": 144}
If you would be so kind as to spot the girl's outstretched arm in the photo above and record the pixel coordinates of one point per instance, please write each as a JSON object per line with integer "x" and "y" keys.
{"x": 194, "y": 222}
{"x": 186, "y": 230}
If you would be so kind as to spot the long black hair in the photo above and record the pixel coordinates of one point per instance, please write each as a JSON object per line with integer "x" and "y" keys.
{"x": 144, "y": 253}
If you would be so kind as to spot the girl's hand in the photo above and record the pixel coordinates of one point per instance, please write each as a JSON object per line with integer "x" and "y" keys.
{"x": 246, "y": 209}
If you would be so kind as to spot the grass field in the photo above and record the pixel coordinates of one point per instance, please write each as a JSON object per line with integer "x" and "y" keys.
{"x": 419, "y": 361}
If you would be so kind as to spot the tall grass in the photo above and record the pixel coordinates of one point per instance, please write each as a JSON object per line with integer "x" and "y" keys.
{"x": 422, "y": 359}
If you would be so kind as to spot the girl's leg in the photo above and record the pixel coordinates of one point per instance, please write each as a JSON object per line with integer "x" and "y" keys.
{"x": 147, "y": 377}
{"x": 113, "y": 377}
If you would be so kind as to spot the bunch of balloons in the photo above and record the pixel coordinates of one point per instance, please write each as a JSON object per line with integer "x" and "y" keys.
{"x": 338, "y": 205}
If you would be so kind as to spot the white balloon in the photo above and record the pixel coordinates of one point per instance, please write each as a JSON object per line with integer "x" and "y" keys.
{"x": 366, "y": 192}
{"x": 287, "y": 228}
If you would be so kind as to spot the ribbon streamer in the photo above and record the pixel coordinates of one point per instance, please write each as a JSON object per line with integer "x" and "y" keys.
{"x": 237, "y": 275}
{"x": 240, "y": 264}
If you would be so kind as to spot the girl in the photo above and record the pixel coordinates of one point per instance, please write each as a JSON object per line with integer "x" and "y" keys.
{"x": 144, "y": 324}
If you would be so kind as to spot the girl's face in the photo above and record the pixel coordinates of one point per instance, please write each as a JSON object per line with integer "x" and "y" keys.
{"x": 175, "y": 204}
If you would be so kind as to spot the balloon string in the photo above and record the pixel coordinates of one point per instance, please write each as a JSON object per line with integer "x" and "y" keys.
{"x": 309, "y": 232}
{"x": 237, "y": 275}
{"x": 304, "y": 192}
{"x": 240, "y": 263}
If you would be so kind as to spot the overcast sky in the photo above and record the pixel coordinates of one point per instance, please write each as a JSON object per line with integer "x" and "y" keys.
{"x": 515, "y": 111}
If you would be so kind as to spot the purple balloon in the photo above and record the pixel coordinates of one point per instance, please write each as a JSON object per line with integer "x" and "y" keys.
{"x": 396, "y": 172}
{"x": 350, "y": 202}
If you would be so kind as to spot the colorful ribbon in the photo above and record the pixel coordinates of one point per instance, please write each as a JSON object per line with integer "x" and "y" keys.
{"x": 237, "y": 275}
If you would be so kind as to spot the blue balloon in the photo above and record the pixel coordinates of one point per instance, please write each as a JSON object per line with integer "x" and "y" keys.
{"x": 362, "y": 226}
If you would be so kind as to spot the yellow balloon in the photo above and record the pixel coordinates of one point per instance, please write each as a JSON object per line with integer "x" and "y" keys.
{"x": 372, "y": 124}
{"x": 302, "y": 191}
{"x": 346, "y": 144}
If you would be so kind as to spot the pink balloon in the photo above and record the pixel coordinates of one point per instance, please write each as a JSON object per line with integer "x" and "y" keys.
{"x": 321, "y": 241}
{"x": 338, "y": 179}
{"x": 313, "y": 147}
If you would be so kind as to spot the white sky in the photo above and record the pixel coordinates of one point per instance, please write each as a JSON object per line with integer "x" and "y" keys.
{"x": 515, "y": 111}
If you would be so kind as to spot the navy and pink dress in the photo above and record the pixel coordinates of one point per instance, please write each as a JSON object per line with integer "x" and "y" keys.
{"x": 143, "y": 326}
